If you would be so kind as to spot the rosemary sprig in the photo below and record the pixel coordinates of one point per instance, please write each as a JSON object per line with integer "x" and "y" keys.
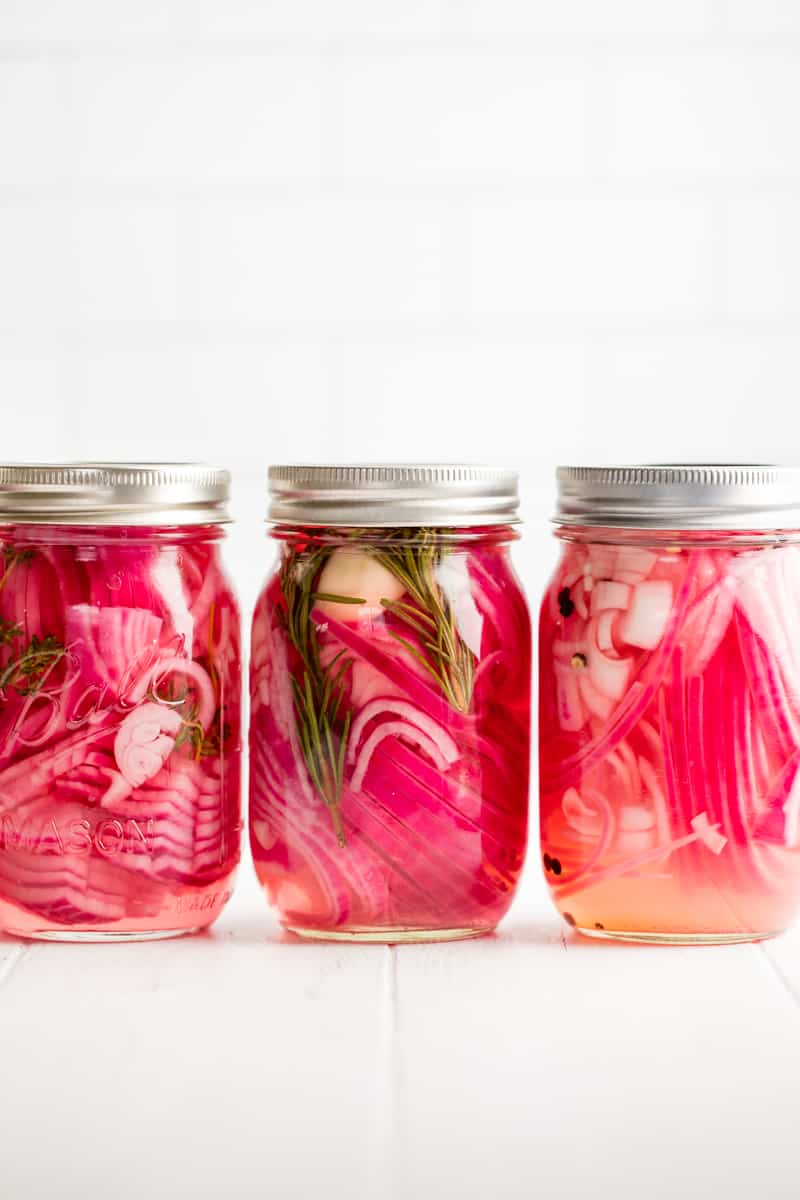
{"x": 317, "y": 688}
{"x": 412, "y": 557}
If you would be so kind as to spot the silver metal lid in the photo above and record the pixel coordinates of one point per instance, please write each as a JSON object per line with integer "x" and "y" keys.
{"x": 113, "y": 494}
{"x": 741, "y": 496}
{"x": 396, "y": 494}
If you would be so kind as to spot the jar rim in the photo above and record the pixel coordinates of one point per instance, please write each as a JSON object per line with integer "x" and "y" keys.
{"x": 690, "y": 496}
{"x": 113, "y": 493}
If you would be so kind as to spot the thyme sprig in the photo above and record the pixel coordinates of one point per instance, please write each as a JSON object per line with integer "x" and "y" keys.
{"x": 204, "y": 743}
{"x": 9, "y": 632}
{"x": 26, "y": 671}
{"x": 412, "y": 556}
{"x": 317, "y": 688}
{"x": 12, "y": 555}
{"x": 212, "y": 666}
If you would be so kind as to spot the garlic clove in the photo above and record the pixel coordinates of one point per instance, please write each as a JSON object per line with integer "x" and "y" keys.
{"x": 354, "y": 573}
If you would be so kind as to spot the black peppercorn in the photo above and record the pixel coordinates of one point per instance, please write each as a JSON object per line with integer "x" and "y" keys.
{"x": 568, "y": 917}
{"x": 565, "y": 604}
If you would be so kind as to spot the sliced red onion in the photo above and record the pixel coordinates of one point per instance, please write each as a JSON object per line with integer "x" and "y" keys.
{"x": 610, "y": 593}
{"x": 647, "y": 615}
{"x": 395, "y": 729}
{"x": 410, "y": 713}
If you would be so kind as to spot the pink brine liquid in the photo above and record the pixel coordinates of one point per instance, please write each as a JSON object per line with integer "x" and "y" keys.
{"x": 670, "y": 736}
{"x": 119, "y": 732}
{"x": 390, "y": 736}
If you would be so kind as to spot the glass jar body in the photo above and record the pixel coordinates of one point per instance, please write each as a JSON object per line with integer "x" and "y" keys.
{"x": 670, "y": 734}
{"x": 390, "y": 733}
{"x": 120, "y": 697}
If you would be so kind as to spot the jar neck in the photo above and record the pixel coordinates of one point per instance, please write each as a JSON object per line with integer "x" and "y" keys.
{"x": 108, "y": 535}
{"x": 692, "y": 539}
{"x": 319, "y": 535}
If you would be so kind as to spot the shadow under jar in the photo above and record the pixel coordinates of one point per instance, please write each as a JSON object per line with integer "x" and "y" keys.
{"x": 390, "y": 703}
{"x": 120, "y": 693}
{"x": 670, "y": 703}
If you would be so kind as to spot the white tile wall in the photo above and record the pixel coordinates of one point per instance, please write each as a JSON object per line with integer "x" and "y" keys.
{"x": 550, "y": 254}
{"x": 123, "y": 264}
{"x": 195, "y": 117}
{"x": 450, "y": 228}
{"x": 31, "y": 127}
{"x": 763, "y": 16}
{"x": 36, "y": 279}
{"x": 718, "y": 112}
{"x": 763, "y": 254}
{"x": 626, "y": 18}
{"x": 81, "y": 22}
{"x": 432, "y": 114}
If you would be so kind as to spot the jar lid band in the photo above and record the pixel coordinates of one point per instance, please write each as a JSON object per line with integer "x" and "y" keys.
{"x": 93, "y": 493}
{"x": 393, "y": 495}
{"x": 732, "y": 496}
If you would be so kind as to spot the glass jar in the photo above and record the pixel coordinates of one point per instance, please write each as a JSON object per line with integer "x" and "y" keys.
{"x": 670, "y": 703}
{"x": 119, "y": 701}
{"x": 390, "y": 704}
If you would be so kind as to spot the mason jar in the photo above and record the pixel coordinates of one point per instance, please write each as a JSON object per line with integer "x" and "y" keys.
{"x": 390, "y": 703}
{"x": 119, "y": 701}
{"x": 669, "y": 717}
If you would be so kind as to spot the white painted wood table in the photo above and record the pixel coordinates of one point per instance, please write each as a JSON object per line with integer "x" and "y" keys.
{"x": 243, "y": 1063}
